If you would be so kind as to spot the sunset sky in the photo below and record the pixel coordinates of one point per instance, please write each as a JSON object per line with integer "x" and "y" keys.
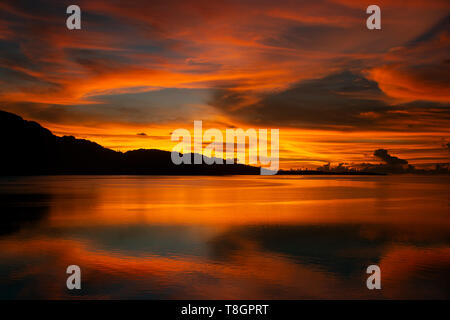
{"x": 138, "y": 70}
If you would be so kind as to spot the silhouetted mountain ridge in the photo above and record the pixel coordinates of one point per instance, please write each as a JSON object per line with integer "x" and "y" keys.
{"x": 28, "y": 148}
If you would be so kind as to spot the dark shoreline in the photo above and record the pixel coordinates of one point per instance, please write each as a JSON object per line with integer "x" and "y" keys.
{"x": 330, "y": 173}
{"x": 287, "y": 173}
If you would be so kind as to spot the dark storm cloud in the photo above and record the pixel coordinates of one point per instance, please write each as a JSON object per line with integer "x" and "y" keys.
{"x": 336, "y": 99}
{"x": 12, "y": 54}
{"x": 440, "y": 27}
{"x": 388, "y": 159}
{"x": 305, "y": 36}
{"x": 418, "y": 70}
{"x": 344, "y": 100}
{"x": 24, "y": 80}
{"x": 98, "y": 61}
{"x": 142, "y": 106}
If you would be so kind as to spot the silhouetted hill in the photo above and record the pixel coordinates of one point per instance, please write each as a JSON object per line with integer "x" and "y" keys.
{"x": 28, "y": 148}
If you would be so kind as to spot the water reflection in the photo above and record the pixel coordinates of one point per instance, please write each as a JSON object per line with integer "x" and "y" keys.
{"x": 22, "y": 211}
{"x": 227, "y": 237}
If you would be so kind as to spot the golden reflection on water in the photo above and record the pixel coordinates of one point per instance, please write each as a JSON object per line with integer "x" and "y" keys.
{"x": 225, "y": 237}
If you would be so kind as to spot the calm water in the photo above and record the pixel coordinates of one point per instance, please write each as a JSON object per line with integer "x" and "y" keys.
{"x": 225, "y": 237}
